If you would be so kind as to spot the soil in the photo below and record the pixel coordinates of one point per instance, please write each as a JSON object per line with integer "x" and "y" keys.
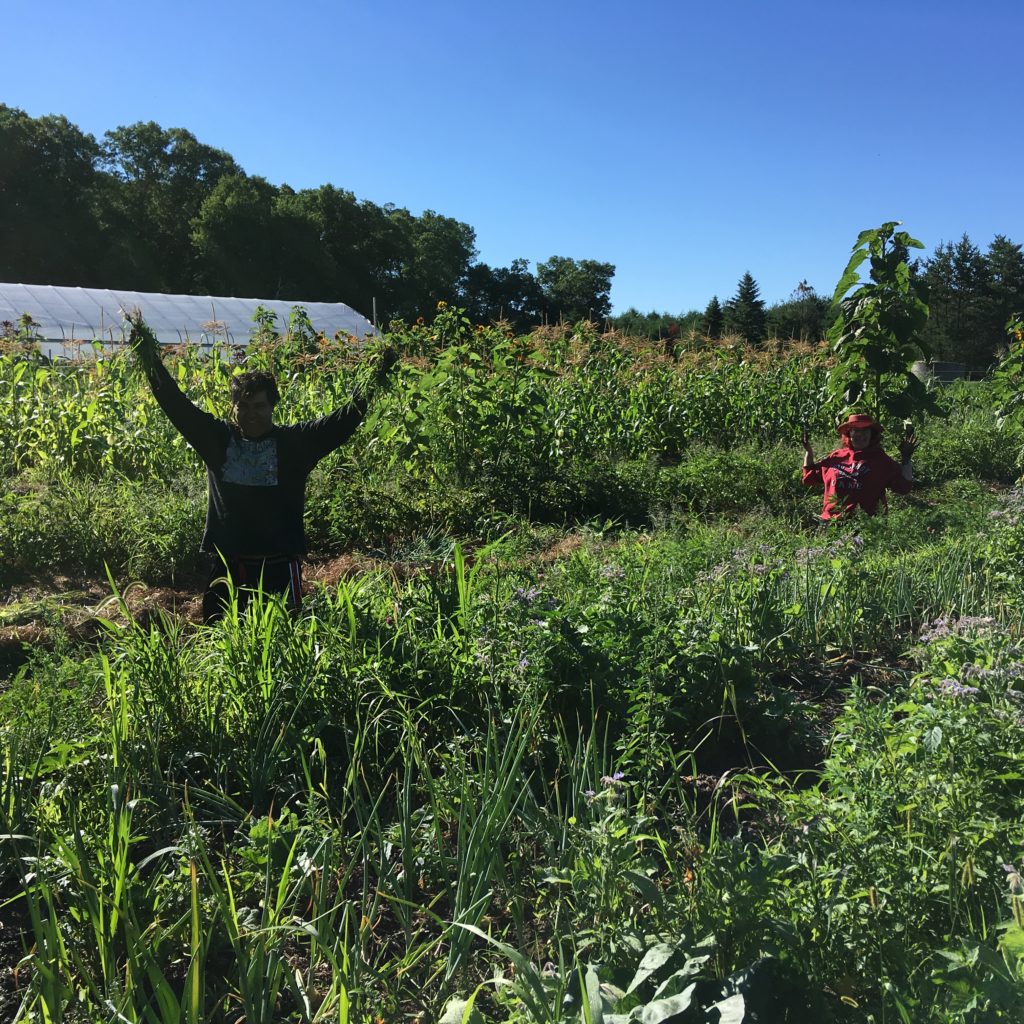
{"x": 13, "y": 925}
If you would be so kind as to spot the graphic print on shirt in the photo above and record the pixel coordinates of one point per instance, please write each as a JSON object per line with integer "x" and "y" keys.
{"x": 250, "y": 463}
{"x": 851, "y": 479}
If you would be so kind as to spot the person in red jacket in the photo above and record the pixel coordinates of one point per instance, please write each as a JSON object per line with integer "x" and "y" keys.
{"x": 858, "y": 474}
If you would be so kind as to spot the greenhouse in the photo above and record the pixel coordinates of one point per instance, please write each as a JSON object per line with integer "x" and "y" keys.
{"x": 65, "y": 316}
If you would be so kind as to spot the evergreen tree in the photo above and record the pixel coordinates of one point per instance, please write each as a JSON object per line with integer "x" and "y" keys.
{"x": 970, "y": 283}
{"x": 1004, "y": 294}
{"x": 745, "y": 312}
{"x": 937, "y": 275}
{"x": 714, "y": 319}
{"x": 957, "y": 280}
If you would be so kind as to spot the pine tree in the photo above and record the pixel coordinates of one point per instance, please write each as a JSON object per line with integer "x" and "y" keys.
{"x": 1005, "y": 292}
{"x": 745, "y": 312}
{"x": 938, "y": 276}
{"x": 957, "y": 279}
{"x": 714, "y": 319}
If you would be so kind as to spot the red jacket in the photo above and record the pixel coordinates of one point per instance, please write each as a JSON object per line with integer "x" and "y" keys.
{"x": 853, "y": 479}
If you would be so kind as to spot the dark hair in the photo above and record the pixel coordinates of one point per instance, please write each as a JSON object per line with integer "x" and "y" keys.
{"x": 246, "y": 385}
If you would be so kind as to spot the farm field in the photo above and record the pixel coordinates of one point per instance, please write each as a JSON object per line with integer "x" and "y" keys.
{"x": 585, "y": 719}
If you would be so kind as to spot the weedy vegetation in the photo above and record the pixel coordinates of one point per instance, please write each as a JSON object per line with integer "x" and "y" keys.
{"x": 585, "y": 719}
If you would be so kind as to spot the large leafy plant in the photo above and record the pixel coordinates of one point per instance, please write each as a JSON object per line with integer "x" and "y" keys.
{"x": 1009, "y": 376}
{"x": 877, "y": 333}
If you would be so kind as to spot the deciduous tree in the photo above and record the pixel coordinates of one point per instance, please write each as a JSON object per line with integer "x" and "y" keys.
{"x": 164, "y": 176}
{"x": 575, "y": 290}
{"x": 503, "y": 293}
{"x": 236, "y": 239}
{"x": 50, "y": 201}
{"x": 803, "y": 317}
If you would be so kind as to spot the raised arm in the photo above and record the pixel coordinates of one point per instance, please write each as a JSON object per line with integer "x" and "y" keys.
{"x": 908, "y": 445}
{"x": 811, "y": 471}
{"x": 195, "y": 425}
{"x": 331, "y": 431}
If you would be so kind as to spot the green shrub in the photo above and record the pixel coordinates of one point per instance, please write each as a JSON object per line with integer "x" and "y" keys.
{"x": 142, "y": 529}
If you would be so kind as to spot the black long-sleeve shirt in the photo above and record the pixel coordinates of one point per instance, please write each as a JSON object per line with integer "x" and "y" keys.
{"x": 256, "y": 489}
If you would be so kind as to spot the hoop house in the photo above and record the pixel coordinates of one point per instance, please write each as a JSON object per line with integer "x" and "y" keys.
{"x": 65, "y": 315}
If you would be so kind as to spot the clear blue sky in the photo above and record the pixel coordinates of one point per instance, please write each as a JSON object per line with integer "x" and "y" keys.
{"x": 685, "y": 142}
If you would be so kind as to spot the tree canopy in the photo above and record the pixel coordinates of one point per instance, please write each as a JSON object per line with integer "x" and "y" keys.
{"x": 155, "y": 209}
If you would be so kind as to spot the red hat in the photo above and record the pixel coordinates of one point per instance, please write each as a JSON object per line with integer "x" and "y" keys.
{"x": 858, "y": 421}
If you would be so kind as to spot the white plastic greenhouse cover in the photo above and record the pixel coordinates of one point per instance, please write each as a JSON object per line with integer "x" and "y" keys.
{"x": 65, "y": 314}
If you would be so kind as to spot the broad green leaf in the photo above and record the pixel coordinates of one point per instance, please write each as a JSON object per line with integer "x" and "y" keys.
{"x": 677, "y": 1010}
{"x": 595, "y": 1005}
{"x": 732, "y": 1010}
{"x": 645, "y": 886}
{"x": 677, "y": 982}
{"x": 1012, "y": 940}
{"x": 850, "y": 276}
{"x": 461, "y": 1011}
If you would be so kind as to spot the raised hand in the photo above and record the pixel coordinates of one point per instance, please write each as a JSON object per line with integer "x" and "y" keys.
{"x": 388, "y": 358}
{"x": 909, "y": 445}
{"x": 805, "y": 440}
{"x": 143, "y": 341}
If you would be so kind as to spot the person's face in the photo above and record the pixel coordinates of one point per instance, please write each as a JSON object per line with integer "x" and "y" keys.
{"x": 254, "y": 415}
{"x": 860, "y": 438}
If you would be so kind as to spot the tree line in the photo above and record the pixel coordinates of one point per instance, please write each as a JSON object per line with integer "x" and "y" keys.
{"x": 804, "y": 316}
{"x": 154, "y": 209}
{"x": 971, "y": 297}
{"x": 148, "y": 208}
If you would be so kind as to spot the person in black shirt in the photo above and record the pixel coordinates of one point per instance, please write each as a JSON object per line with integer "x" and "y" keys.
{"x": 256, "y": 473}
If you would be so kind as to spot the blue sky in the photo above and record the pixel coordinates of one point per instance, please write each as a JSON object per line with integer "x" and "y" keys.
{"x": 685, "y": 142}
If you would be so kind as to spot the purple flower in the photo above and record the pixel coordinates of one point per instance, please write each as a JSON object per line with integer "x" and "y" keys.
{"x": 805, "y": 555}
{"x": 527, "y": 596}
{"x": 953, "y": 688}
{"x": 974, "y": 623}
{"x": 935, "y": 631}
